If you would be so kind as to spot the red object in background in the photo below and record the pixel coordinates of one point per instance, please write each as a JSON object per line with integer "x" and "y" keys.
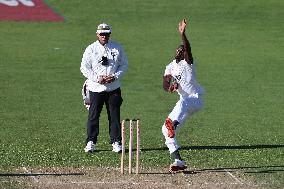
{"x": 39, "y": 12}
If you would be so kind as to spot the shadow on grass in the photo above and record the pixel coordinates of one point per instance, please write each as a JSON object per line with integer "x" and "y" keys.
{"x": 243, "y": 147}
{"x": 255, "y": 169}
{"x": 248, "y": 170}
{"x": 37, "y": 174}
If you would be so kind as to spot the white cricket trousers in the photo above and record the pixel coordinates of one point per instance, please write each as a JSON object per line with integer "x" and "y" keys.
{"x": 184, "y": 108}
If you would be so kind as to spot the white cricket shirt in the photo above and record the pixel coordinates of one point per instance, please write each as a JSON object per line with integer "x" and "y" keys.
{"x": 92, "y": 68}
{"x": 184, "y": 74}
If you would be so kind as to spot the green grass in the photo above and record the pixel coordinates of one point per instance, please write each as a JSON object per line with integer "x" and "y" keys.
{"x": 239, "y": 49}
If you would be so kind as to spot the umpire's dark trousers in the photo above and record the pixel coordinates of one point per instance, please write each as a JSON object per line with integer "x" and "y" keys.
{"x": 113, "y": 101}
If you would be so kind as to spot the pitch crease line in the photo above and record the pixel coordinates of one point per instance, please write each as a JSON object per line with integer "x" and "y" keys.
{"x": 30, "y": 173}
{"x": 236, "y": 179}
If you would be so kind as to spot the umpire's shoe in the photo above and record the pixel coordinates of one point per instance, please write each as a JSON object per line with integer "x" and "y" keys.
{"x": 116, "y": 147}
{"x": 90, "y": 147}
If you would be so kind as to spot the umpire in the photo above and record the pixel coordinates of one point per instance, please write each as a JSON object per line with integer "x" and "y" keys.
{"x": 104, "y": 62}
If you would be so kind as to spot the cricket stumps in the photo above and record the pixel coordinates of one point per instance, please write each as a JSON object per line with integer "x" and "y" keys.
{"x": 123, "y": 142}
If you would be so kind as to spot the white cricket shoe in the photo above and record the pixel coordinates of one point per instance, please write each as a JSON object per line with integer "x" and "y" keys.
{"x": 116, "y": 147}
{"x": 177, "y": 166}
{"x": 28, "y": 3}
{"x": 11, "y": 3}
{"x": 90, "y": 147}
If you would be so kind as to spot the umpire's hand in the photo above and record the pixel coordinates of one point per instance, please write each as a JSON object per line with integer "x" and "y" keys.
{"x": 106, "y": 79}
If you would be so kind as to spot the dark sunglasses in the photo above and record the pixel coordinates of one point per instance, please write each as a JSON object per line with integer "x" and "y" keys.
{"x": 104, "y": 34}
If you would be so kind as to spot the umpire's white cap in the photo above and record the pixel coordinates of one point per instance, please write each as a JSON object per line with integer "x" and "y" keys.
{"x": 103, "y": 28}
